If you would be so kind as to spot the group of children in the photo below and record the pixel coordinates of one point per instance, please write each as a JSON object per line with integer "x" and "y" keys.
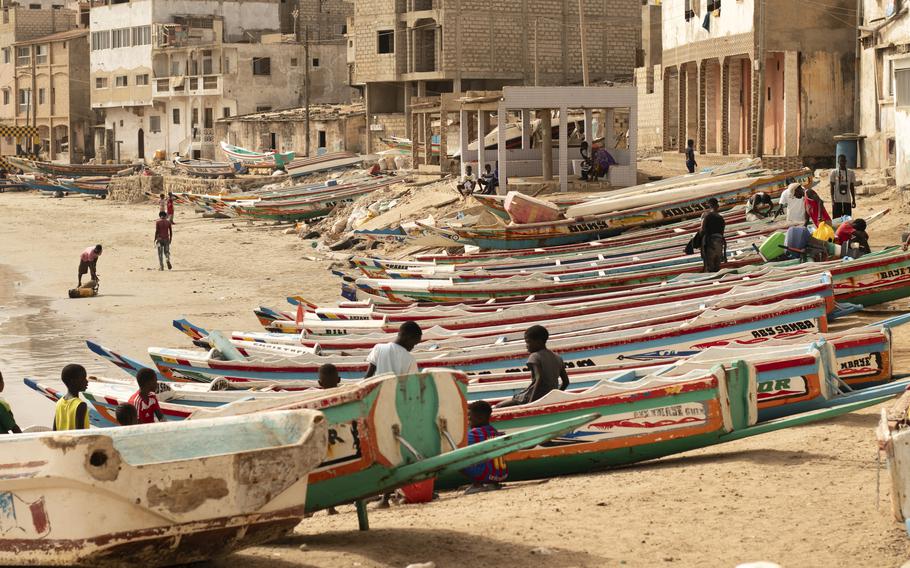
{"x": 72, "y": 413}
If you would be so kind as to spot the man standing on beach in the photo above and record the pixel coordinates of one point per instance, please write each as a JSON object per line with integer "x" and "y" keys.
{"x": 164, "y": 232}
{"x": 88, "y": 261}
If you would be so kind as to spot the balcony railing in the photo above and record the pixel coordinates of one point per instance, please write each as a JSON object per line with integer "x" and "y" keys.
{"x": 184, "y": 86}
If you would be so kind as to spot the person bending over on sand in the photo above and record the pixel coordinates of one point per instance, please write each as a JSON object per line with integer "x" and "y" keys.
{"x": 88, "y": 261}
{"x": 713, "y": 244}
{"x": 546, "y": 369}
{"x": 72, "y": 412}
{"x": 126, "y": 415}
{"x": 145, "y": 400}
{"x": 484, "y": 476}
{"x": 164, "y": 233}
{"x": 396, "y": 357}
{"x": 7, "y": 421}
{"x": 815, "y": 208}
{"x": 850, "y": 233}
{"x": 759, "y": 206}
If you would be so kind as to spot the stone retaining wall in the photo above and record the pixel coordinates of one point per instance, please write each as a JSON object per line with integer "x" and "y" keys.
{"x": 134, "y": 189}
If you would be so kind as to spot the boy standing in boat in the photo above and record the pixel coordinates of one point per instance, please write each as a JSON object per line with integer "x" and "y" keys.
{"x": 547, "y": 368}
{"x": 396, "y": 358}
{"x": 88, "y": 262}
{"x": 484, "y": 476}
{"x": 7, "y": 421}
{"x": 145, "y": 400}
{"x": 713, "y": 243}
{"x": 328, "y": 376}
{"x": 126, "y": 415}
{"x": 163, "y": 235}
{"x": 71, "y": 412}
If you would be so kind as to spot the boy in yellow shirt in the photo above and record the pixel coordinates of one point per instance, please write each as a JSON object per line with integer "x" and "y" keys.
{"x": 72, "y": 412}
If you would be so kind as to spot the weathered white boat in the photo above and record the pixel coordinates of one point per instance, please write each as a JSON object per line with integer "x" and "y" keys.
{"x": 893, "y": 435}
{"x": 158, "y": 494}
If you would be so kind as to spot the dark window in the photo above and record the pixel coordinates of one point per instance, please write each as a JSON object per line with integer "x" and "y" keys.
{"x": 321, "y": 139}
{"x": 226, "y": 112}
{"x": 385, "y": 41}
{"x": 293, "y": 62}
{"x": 315, "y": 62}
{"x": 262, "y": 66}
{"x": 176, "y": 115}
{"x": 195, "y": 120}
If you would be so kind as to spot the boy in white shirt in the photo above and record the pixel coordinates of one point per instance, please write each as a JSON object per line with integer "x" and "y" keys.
{"x": 794, "y": 199}
{"x": 396, "y": 357}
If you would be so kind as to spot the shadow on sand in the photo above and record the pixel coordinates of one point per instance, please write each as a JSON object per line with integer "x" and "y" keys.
{"x": 400, "y": 547}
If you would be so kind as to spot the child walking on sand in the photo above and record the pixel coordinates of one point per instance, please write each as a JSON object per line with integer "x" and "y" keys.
{"x": 72, "y": 412}
{"x": 145, "y": 400}
{"x": 546, "y": 368}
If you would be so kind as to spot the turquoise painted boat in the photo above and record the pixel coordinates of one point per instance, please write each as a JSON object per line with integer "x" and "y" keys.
{"x": 649, "y": 421}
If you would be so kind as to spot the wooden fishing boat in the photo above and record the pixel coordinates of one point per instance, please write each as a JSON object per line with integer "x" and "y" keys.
{"x": 388, "y": 431}
{"x": 157, "y": 494}
{"x": 630, "y": 212}
{"x": 510, "y": 324}
{"x": 744, "y": 326}
{"x": 81, "y": 170}
{"x": 96, "y": 186}
{"x": 651, "y": 419}
{"x": 324, "y": 163}
{"x": 205, "y": 168}
{"x": 301, "y": 208}
{"x": 800, "y": 374}
{"x": 250, "y": 158}
{"x": 894, "y": 442}
{"x": 875, "y": 278}
{"x": 26, "y": 165}
{"x": 41, "y": 182}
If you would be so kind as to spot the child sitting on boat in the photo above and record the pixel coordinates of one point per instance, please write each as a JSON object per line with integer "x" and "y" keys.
{"x": 145, "y": 400}
{"x": 72, "y": 412}
{"x": 7, "y": 421}
{"x": 546, "y": 368}
{"x": 126, "y": 415}
{"x": 484, "y": 476}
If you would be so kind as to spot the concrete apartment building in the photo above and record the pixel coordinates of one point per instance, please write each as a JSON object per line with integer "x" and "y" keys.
{"x": 406, "y": 48}
{"x": 19, "y": 95}
{"x": 164, "y": 70}
{"x": 740, "y": 80}
{"x": 50, "y": 92}
{"x": 884, "y": 82}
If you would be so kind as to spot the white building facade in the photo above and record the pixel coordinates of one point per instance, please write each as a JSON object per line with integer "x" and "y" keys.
{"x": 163, "y": 71}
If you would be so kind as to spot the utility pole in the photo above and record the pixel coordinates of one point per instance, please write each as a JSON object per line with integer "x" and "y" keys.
{"x": 306, "y": 86}
{"x": 584, "y": 51}
{"x": 759, "y": 68}
{"x": 536, "y": 52}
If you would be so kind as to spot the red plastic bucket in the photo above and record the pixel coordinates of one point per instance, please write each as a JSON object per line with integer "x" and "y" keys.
{"x": 420, "y": 492}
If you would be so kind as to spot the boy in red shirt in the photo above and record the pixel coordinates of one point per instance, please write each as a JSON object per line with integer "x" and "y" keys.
{"x": 164, "y": 233}
{"x": 144, "y": 399}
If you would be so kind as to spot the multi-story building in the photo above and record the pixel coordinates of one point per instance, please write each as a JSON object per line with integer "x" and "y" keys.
{"x": 49, "y": 91}
{"x": 884, "y": 85}
{"x": 405, "y": 48}
{"x": 164, "y": 70}
{"x": 20, "y": 23}
{"x": 770, "y": 78}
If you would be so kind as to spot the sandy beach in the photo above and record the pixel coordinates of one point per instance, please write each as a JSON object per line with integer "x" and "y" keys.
{"x": 801, "y": 497}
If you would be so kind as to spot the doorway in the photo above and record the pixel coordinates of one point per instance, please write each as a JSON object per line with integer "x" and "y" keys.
{"x": 140, "y": 144}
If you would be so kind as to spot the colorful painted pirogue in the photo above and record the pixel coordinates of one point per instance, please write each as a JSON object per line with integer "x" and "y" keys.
{"x": 389, "y": 431}
{"x": 800, "y": 375}
{"x": 157, "y": 494}
{"x": 879, "y": 277}
{"x": 597, "y": 346}
{"x": 307, "y": 206}
{"x": 652, "y": 209}
{"x": 650, "y": 420}
{"x": 256, "y": 159}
